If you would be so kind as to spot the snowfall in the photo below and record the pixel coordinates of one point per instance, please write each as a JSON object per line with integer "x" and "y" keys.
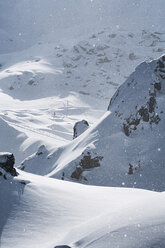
{"x": 61, "y": 62}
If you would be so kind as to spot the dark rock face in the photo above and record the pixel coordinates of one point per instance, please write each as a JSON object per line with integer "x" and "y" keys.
{"x": 87, "y": 162}
{"x": 77, "y": 173}
{"x": 79, "y": 128}
{"x": 113, "y": 99}
{"x": 130, "y": 172}
{"x": 146, "y": 113}
{"x": 7, "y": 161}
{"x": 160, "y": 68}
{"x": 41, "y": 150}
{"x": 157, "y": 86}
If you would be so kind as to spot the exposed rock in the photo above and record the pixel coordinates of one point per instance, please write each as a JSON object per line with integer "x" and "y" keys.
{"x": 87, "y": 162}
{"x": 31, "y": 82}
{"x": 84, "y": 93}
{"x": 41, "y": 150}
{"x": 103, "y": 60}
{"x": 132, "y": 56}
{"x": 152, "y": 104}
{"x": 113, "y": 99}
{"x": 126, "y": 129}
{"x": 157, "y": 86}
{"x": 130, "y": 172}
{"x": 11, "y": 88}
{"x": 77, "y": 173}
{"x": 154, "y": 119}
{"x": 63, "y": 176}
{"x": 160, "y": 68}
{"x": 79, "y": 128}
{"x": 145, "y": 113}
{"x": 7, "y": 161}
{"x": 4, "y": 176}
{"x": 23, "y": 182}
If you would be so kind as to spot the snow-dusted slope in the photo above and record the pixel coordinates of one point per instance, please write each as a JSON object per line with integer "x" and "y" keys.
{"x": 16, "y": 142}
{"x": 126, "y": 147}
{"x": 42, "y": 212}
{"x": 62, "y": 47}
{"x": 71, "y": 55}
{"x": 58, "y": 60}
{"x": 94, "y": 65}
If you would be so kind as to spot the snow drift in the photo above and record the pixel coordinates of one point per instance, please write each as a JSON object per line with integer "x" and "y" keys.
{"x": 43, "y": 212}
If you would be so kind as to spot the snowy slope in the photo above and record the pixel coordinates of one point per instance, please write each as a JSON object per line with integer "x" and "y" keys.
{"x": 130, "y": 133}
{"x": 66, "y": 55}
{"x": 12, "y": 140}
{"x": 59, "y": 59}
{"x": 46, "y": 212}
{"x": 60, "y": 63}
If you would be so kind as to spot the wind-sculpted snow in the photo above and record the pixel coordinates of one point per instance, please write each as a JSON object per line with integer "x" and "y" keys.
{"x": 42, "y": 212}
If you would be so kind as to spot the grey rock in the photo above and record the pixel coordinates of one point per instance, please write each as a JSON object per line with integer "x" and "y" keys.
{"x": 7, "y": 161}
{"x": 79, "y": 128}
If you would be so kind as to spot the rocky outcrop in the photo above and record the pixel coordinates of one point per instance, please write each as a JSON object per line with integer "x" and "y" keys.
{"x": 79, "y": 128}
{"x": 146, "y": 113}
{"x": 7, "y": 161}
{"x": 144, "y": 107}
{"x": 87, "y": 162}
{"x": 41, "y": 150}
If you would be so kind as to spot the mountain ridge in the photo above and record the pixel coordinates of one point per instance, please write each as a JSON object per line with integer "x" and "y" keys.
{"x": 130, "y": 133}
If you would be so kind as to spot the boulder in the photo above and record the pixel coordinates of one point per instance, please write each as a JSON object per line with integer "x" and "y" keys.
{"x": 79, "y": 128}
{"x": 7, "y": 161}
{"x": 41, "y": 150}
{"x": 86, "y": 163}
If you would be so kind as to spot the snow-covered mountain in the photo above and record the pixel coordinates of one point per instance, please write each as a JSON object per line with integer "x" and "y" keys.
{"x": 59, "y": 59}
{"x": 76, "y": 48}
{"x": 60, "y": 63}
{"x": 126, "y": 147}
